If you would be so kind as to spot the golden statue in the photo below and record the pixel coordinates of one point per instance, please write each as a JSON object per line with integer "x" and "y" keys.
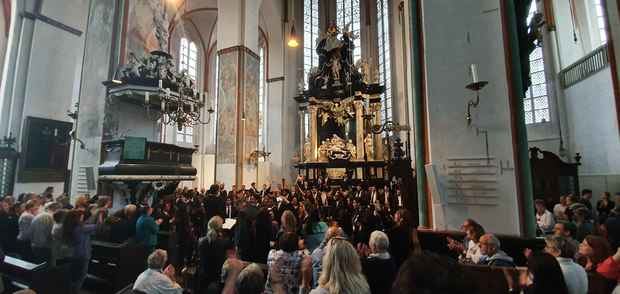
{"x": 352, "y": 149}
{"x": 370, "y": 151}
{"x": 323, "y": 151}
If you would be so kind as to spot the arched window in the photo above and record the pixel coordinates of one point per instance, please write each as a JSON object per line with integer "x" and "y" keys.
{"x": 311, "y": 33}
{"x": 188, "y": 56}
{"x": 188, "y": 60}
{"x": 348, "y": 12}
{"x": 536, "y": 102}
{"x": 385, "y": 73}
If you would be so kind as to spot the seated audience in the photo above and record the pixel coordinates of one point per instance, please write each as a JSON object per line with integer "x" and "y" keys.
{"x": 155, "y": 279}
{"x": 378, "y": 266}
{"x": 473, "y": 253}
{"x": 213, "y": 249}
{"x": 426, "y": 272}
{"x": 490, "y": 247}
{"x": 544, "y": 218}
{"x": 243, "y": 278}
{"x": 564, "y": 251}
{"x": 342, "y": 270}
{"x": 592, "y": 251}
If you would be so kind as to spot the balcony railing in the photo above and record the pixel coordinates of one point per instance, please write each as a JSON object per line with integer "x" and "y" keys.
{"x": 585, "y": 67}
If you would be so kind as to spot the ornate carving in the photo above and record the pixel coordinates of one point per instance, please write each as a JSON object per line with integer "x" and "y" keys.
{"x": 370, "y": 151}
{"x": 335, "y": 148}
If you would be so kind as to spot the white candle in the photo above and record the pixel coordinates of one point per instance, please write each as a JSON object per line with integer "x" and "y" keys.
{"x": 161, "y": 84}
{"x": 474, "y": 72}
{"x": 147, "y": 98}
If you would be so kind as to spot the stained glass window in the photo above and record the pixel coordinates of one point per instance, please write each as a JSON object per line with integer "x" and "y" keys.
{"x": 188, "y": 57}
{"x": 383, "y": 38}
{"x": 536, "y": 101}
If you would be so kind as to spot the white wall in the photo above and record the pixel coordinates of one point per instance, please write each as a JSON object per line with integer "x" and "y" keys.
{"x": 448, "y": 54}
{"x": 593, "y": 121}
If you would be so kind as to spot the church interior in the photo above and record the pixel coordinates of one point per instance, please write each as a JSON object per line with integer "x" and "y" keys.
{"x": 309, "y": 146}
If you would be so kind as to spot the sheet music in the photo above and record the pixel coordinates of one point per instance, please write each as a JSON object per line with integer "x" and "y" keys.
{"x": 229, "y": 223}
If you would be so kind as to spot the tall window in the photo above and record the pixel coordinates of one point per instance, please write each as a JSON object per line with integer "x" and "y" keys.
{"x": 311, "y": 33}
{"x": 385, "y": 76}
{"x": 600, "y": 20}
{"x": 536, "y": 102}
{"x": 348, "y": 12}
{"x": 188, "y": 56}
{"x": 261, "y": 98}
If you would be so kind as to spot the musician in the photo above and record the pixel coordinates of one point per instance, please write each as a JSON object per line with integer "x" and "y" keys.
{"x": 253, "y": 189}
{"x": 230, "y": 211}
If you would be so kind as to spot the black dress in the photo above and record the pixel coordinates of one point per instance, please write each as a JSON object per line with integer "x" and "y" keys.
{"x": 212, "y": 257}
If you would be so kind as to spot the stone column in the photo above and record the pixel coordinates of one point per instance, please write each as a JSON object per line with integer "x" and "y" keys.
{"x": 314, "y": 144}
{"x": 302, "y": 137}
{"x": 237, "y": 125}
{"x": 359, "y": 129}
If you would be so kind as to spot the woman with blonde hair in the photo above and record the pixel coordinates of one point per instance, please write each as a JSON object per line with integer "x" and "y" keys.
{"x": 342, "y": 270}
{"x": 213, "y": 249}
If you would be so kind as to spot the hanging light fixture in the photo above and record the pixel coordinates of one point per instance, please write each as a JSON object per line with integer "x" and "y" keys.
{"x": 292, "y": 39}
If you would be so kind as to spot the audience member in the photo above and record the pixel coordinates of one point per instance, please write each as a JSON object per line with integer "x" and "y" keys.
{"x": 604, "y": 207}
{"x": 9, "y": 227}
{"x": 612, "y": 224}
{"x": 377, "y": 264}
{"x": 559, "y": 210}
{"x": 545, "y": 275}
{"x": 403, "y": 237}
{"x": 586, "y": 196}
{"x": 41, "y": 228}
{"x": 319, "y": 252}
{"x": 287, "y": 262}
{"x": 156, "y": 279}
{"x": 592, "y": 251}
{"x": 564, "y": 251}
{"x": 426, "y": 272}
{"x": 313, "y": 230}
{"x": 78, "y": 236}
{"x": 490, "y": 247}
{"x": 342, "y": 270}
{"x": 214, "y": 249}
{"x": 147, "y": 229}
{"x": 610, "y": 269}
{"x": 544, "y": 218}
{"x": 583, "y": 223}
{"x": 567, "y": 230}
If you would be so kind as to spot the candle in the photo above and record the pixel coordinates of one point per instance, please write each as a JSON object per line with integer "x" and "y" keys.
{"x": 474, "y": 72}
{"x": 161, "y": 84}
{"x": 147, "y": 98}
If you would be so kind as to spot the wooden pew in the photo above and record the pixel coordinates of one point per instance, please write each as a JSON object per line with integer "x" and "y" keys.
{"x": 39, "y": 277}
{"x": 117, "y": 264}
{"x": 435, "y": 241}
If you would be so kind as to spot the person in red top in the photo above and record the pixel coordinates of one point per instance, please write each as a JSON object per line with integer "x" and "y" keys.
{"x": 610, "y": 268}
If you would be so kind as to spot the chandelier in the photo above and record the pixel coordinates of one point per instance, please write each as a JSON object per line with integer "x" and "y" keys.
{"x": 168, "y": 96}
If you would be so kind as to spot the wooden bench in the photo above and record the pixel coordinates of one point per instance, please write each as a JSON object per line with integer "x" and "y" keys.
{"x": 39, "y": 277}
{"x": 436, "y": 241}
{"x": 117, "y": 264}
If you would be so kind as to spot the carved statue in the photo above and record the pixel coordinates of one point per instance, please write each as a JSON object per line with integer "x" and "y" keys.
{"x": 336, "y": 70}
{"x": 351, "y": 148}
{"x": 370, "y": 151}
{"x": 307, "y": 151}
{"x": 323, "y": 151}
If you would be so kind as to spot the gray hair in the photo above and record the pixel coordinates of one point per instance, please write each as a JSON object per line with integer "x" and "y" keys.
{"x": 251, "y": 280}
{"x": 214, "y": 227}
{"x": 561, "y": 244}
{"x": 157, "y": 259}
{"x": 492, "y": 240}
{"x": 379, "y": 242}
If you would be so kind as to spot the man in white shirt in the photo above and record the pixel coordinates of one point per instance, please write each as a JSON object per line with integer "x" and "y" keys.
{"x": 155, "y": 281}
{"x": 544, "y": 217}
{"x": 575, "y": 276}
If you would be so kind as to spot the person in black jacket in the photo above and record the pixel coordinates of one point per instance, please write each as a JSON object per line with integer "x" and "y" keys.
{"x": 213, "y": 249}
{"x": 403, "y": 237}
{"x": 378, "y": 266}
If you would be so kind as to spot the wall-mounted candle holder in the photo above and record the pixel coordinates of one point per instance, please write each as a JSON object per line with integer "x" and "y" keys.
{"x": 475, "y": 86}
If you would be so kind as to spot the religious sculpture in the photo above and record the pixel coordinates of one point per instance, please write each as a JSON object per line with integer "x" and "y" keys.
{"x": 307, "y": 150}
{"x": 351, "y": 148}
{"x": 335, "y": 59}
{"x": 368, "y": 143}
